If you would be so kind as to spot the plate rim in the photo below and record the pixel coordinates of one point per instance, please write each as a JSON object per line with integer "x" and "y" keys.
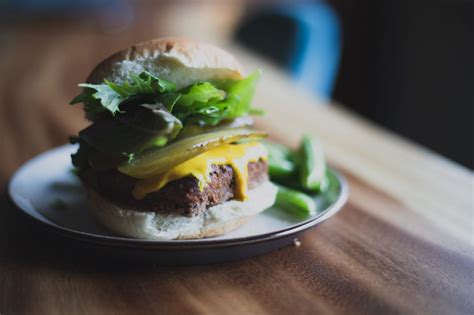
{"x": 118, "y": 241}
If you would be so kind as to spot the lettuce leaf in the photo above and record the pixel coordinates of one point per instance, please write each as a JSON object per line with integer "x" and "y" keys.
{"x": 147, "y": 111}
{"x": 199, "y": 94}
{"x": 239, "y": 94}
{"x": 144, "y": 83}
{"x": 108, "y": 96}
{"x": 209, "y": 103}
{"x": 205, "y": 103}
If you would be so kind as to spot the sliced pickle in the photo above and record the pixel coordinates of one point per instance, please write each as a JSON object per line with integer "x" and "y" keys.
{"x": 157, "y": 161}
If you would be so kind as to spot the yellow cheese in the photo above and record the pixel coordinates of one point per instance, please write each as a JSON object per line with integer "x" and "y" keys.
{"x": 235, "y": 155}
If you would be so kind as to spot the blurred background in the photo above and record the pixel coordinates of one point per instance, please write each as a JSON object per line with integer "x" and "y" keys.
{"x": 405, "y": 64}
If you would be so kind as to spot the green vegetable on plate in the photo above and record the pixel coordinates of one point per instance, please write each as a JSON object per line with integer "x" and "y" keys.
{"x": 311, "y": 164}
{"x": 300, "y": 175}
{"x": 295, "y": 202}
{"x": 281, "y": 162}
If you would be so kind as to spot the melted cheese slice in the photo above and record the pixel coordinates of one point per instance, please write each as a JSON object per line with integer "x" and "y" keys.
{"x": 238, "y": 156}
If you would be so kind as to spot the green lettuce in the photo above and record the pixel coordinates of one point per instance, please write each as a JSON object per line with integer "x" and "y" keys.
{"x": 147, "y": 111}
{"x": 239, "y": 94}
{"x": 200, "y": 94}
{"x": 145, "y": 83}
{"x": 209, "y": 103}
{"x": 108, "y": 96}
{"x": 205, "y": 103}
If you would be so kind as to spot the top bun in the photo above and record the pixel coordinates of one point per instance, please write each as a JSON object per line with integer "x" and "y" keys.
{"x": 178, "y": 60}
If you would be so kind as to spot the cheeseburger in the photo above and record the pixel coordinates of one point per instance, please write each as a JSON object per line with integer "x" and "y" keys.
{"x": 170, "y": 152}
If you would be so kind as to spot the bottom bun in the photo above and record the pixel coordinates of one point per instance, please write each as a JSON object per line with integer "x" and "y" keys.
{"x": 216, "y": 220}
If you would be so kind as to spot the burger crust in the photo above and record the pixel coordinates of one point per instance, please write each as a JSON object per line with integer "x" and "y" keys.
{"x": 216, "y": 220}
{"x": 179, "y": 60}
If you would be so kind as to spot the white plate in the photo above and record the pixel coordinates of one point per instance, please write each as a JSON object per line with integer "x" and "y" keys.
{"x": 46, "y": 189}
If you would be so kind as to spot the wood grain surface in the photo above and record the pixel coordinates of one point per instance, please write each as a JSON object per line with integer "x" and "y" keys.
{"x": 402, "y": 245}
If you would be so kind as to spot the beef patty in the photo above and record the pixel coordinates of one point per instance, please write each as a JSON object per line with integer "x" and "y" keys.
{"x": 181, "y": 196}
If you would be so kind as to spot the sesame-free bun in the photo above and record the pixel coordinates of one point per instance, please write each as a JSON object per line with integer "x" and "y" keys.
{"x": 216, "y": 220}
{"x": 181, "y": 61}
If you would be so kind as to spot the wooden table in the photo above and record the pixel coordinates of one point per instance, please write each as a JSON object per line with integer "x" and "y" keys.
{"x": 403, "y": 243}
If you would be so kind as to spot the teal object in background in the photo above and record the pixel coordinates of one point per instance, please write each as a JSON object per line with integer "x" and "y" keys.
{"x": 303, "y": 38}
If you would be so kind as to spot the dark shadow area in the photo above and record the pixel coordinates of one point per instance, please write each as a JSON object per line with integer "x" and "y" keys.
{"x": 409, "y": 66}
